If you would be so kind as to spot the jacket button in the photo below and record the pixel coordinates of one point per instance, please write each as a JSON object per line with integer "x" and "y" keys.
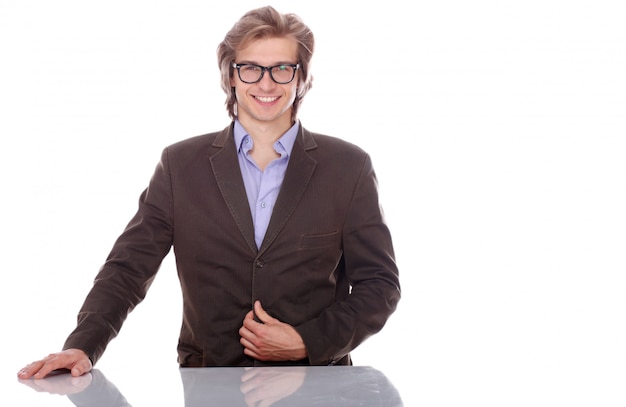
{"x": 259, "y": 264}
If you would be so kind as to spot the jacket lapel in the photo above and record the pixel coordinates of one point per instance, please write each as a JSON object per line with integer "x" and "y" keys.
{"x": 299, "y": 172}
{"x": 227, "y": 173}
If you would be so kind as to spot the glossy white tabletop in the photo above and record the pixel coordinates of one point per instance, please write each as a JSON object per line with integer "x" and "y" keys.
{"x": 227, "y": 386}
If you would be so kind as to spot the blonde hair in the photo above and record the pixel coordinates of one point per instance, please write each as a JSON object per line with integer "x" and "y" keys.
{"x": 261, "y": 23}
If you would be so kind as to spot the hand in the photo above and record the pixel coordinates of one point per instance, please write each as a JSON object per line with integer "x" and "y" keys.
{"x": 270, "y": 339}
{"x": 62, "y": 384}
{"x": 75, "y": 360}
{"x": 264, "y": 386}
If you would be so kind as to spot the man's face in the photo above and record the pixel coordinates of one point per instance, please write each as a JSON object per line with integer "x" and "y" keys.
{"x": 266, "y": 101}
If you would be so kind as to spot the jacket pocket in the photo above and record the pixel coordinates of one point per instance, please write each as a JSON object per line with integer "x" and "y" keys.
{"x": 332, "y": 239}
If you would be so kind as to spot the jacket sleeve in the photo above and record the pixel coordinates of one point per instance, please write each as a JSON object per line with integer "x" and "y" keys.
{"x": 129, "y": 270}
{"x": 370, "y": 267}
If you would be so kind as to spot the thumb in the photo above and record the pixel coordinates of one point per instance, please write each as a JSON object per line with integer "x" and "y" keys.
{"x": 261, "y": 314}
{"x": 76, "y": 371}
{"x": 81, "y": 368}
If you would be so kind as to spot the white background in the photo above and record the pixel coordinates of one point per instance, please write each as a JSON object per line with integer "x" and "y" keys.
{"x": 497, "y": 129}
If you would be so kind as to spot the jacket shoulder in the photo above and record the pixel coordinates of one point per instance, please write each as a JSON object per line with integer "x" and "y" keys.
{"x": 330, "y": 144}
{"x": 201, "y": 145}
{"x": 201, "y": 141}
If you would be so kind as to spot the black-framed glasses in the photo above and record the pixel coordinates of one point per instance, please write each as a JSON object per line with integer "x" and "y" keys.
{"x": 252, "y": 73}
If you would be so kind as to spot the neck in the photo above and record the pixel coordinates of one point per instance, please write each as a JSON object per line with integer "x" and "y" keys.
{"x": 266, "y": 132}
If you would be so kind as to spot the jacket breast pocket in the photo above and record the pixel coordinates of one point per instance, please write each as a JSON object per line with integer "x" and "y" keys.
{"x": 332, "y": 239}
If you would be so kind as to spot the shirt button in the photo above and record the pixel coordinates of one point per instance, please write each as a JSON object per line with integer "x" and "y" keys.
{"x": 263, "y": 204}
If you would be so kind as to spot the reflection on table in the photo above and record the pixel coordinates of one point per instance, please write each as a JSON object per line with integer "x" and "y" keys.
{"x": 234, "y": 386}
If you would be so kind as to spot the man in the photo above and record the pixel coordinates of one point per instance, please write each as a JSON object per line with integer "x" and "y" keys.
{"x": 280, "y": 243}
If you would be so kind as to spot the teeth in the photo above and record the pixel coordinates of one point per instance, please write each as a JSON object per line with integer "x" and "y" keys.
{"x": 266, "y": 99}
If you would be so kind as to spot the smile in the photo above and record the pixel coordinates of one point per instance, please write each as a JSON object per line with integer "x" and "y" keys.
{"x": 266, "y": 99}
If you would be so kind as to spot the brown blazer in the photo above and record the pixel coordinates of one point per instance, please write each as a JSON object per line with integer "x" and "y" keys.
{"x": 326, "y": 265}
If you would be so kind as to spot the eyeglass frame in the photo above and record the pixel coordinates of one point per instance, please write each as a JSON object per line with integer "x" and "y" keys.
{"x": 268, "y": 69}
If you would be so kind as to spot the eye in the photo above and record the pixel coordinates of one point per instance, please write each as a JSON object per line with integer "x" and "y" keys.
{"x": 282, "y": 69}
{"x": 251, "y": 68}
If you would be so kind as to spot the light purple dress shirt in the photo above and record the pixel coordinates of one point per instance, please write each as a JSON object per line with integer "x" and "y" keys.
{"x": 262, "y": 187}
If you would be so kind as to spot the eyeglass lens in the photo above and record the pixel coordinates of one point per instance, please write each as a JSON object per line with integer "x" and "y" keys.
{"x": 279, "y": 73}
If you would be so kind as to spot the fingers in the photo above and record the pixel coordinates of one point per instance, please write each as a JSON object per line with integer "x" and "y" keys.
{"x": 249, "y": 316}
{"x": 253, "y": 322}
{"x": 246, "y": 332}
{"x": 63, "y": 384}
{"x": 31, "y": 369}
{"x": 74, "y": 360}
{"x": 40, "y": 368}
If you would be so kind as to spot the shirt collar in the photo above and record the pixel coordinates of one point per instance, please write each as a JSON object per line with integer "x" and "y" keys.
{"x": 287, "y": 140}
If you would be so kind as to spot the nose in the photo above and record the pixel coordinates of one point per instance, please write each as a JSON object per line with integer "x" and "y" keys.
{"x": 266, "y": 81}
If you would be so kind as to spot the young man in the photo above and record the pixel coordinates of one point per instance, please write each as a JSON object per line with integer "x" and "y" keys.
{"x": 280, "y": 243}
